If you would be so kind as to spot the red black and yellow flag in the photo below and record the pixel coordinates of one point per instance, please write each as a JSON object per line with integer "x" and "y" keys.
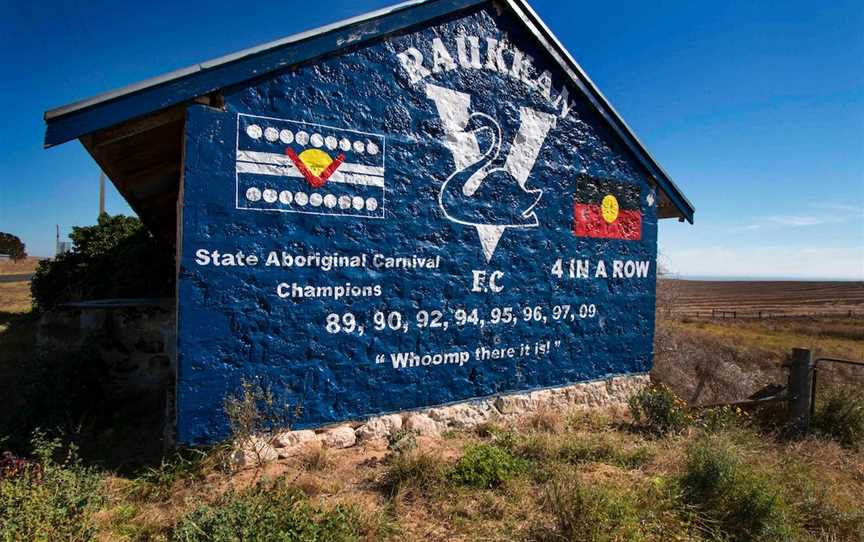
{"x": 607, "y": 209}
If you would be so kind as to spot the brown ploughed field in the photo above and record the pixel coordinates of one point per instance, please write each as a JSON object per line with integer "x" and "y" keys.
{"x": 772, "y": 298}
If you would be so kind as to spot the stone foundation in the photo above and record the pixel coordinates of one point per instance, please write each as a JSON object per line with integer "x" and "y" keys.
{"x": 434, "y": 421}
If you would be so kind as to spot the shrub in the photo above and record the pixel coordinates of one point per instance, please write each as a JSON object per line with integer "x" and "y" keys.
{"x": 658, "y": 411}
{"x": 746, "y": 503}
{"x": 49, "y": 500}
{"x": 265, "y": 513}
{"x": 413, "y": 470}
{"x": 119, "y": 247}
{"x": 841, "y": 418}
{"x": 716, "y": 420}
{"x": 486, "y": 466}
{"x": 590, "y": 513}
{"x": 255, "y": 412}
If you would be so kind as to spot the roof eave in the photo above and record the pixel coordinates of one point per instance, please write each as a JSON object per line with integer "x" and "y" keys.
{"x": 87, "y": 116}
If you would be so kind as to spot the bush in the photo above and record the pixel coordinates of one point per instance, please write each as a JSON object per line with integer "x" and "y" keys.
{"x": 841, "y": 418}
{"x": 119, "y": 247}
{"x": 658, "y": 411}
{"x": 413, "y": 470}
{"x": 590, "y": 513}
{"x": 746, "y": 503}
{"x": 717, "y": 420}
{"x": 486, "y": 466}
{"x": 49, "y": 500}
{"x": 264, "y": 513}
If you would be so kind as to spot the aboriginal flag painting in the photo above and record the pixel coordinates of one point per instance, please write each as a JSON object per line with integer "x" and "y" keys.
{"x": 298, "y": 167}
{"x": 607, "y": 209}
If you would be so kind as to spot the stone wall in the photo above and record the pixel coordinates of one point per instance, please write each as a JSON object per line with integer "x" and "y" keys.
{"x": 435, "y": 421}
{"x": 130, "y": 347}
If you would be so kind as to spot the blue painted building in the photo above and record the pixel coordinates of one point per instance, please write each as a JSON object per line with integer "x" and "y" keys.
{"x": 422, "y": 205}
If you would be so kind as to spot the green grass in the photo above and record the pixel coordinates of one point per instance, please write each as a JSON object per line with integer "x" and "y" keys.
{"x": 265, "y": 513}
{"x": 487, "y": 466}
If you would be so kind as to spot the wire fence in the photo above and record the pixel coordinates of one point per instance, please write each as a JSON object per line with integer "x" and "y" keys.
{"x": 752, "y": 314}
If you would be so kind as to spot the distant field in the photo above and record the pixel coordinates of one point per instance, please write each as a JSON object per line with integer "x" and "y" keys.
{"x": 21, "y": 267}
{"x": 772, "y": 298}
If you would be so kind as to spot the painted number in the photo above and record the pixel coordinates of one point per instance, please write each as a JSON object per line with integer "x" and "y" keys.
{"x": 560, "y": 312}
{"x": 587, "y": 311}
{"x": 466, "y": 317}
{"x": 432, "y": 319}
{"x": 344, "y": 323}
{"x": 534, "y": 314}
{"x": 503, "y": 315}
{"x": 392, "y": 320}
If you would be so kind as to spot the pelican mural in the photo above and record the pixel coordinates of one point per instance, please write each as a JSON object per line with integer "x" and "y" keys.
{"x": 488, "y": 191}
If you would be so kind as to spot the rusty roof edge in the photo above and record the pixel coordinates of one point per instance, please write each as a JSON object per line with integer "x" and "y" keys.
{"x": 224, "y": 59}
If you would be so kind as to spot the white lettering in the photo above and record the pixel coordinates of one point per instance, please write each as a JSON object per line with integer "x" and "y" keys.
{"x": 441, "y": 57}
{"x": 412, "y": 62}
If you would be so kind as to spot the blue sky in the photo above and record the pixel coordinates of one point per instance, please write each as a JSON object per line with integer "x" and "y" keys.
{"x": 756, "y": 109}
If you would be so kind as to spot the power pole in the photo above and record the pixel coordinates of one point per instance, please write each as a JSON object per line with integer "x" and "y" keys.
{"x": 101, "y": 192}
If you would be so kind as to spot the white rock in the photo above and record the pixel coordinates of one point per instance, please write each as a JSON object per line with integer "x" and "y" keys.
{"x": 379, "y": 428}
{"x": 254, "y": 452}
{"x": 464, "y": 415}
{"x": 423, "y": 425}
{"x": 339, "y": 437}
{"x": 513, "y": 404}
{"x": 287, "y": 439}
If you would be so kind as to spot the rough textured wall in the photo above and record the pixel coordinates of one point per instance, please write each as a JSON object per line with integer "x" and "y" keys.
{"x": 435, "y": 216}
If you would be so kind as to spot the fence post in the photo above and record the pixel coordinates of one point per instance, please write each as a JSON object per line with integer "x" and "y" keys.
{"x": 799, "y": 388}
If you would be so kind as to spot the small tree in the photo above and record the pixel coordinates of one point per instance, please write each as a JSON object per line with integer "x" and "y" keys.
{"x": 13, "y": 246}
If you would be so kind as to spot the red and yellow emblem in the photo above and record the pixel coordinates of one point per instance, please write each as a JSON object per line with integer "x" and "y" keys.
{"x": 607, "y": 209}
{"x": 315, "y": 165}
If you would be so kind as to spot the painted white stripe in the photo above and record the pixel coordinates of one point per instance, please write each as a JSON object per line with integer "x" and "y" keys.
{"x": 286, "y": 171}
{"x": 283, "y": 160}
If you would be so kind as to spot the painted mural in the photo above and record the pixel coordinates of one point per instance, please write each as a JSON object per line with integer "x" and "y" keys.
{"x": 423, "y": 219}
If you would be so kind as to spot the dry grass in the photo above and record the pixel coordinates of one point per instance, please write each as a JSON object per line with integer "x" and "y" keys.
{"x": 21, "y": 267}
{"x": 710, "y": 361}
{"x": 414, "y": 498}
{"x": 15, "y": 297}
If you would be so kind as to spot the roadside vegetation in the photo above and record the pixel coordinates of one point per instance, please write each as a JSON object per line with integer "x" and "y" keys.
{"x": 655, "y": 470}
{"x": 579, "y": 476}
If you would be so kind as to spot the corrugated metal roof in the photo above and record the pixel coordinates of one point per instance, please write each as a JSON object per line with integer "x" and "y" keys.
{"x": 87, "y": 116}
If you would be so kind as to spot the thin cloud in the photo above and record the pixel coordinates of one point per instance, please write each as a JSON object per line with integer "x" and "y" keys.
{"x": 829, "y": 213}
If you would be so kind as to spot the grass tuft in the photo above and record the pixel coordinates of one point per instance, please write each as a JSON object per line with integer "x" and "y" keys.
{"x": 413, "y": 470}
{"x": 486, "y": 466}
{"x": 841, "y": 418}
{"x": 589, "y": 513}
{"x": 265, "y": 512}
{"x": 746, "y": 503}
